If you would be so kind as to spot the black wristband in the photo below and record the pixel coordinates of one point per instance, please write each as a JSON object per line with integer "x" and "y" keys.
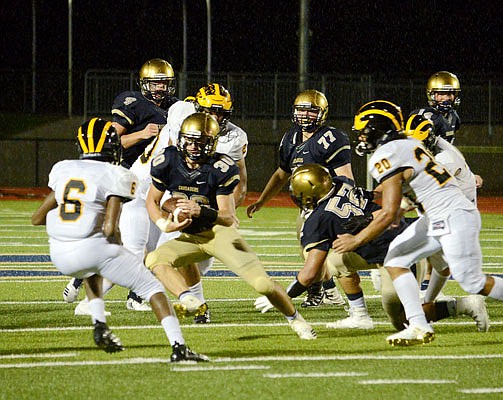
{"x": 210, "y": 214}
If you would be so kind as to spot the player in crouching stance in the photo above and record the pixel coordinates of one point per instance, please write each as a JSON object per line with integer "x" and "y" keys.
{"x": 337, "y": 207}
{"x": 450, "y": 224}
{"x": 82, "y": 213}
{"x": 205, "y": 181}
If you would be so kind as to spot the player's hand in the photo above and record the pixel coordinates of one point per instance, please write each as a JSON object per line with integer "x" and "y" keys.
{"x": 253, "y": 208}
{"x": 263, "y": 304}
{"x": 345, "y": 243}
{"x": 168, "y": 225}
{"x": 478, "y": 181}
{"x": 150, "y": 131}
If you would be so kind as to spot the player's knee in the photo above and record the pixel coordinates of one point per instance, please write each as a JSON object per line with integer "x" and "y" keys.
{"x": 152, "y": 260}
{"x": 264, "y": 285}
{"x": 472, "y": 285}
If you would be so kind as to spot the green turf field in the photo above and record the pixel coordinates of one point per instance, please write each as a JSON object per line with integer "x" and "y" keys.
{"x": 48, "y": 353}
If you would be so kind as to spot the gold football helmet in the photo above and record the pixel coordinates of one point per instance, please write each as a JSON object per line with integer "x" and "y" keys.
{"x": 157, "y": 80}
{"x": 215, "y": 99}
{"x": 446, "y": 82}
{"x": 376, "y": 123}
{"x": 98, "y": 140}
{"x": 309, "y": 184}
{"x": 306, "y": 103}
{"x": 421, "y": 128}
{"x": 199, "y": 129}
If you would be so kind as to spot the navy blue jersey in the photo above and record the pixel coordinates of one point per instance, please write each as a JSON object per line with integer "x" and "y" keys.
{"x": 328, "y": 146}
{"x": 446, "y": 125}
{"x": 134, "y": 112}
{"x": 218, "y": 176}
{"x": 323, "y": 225}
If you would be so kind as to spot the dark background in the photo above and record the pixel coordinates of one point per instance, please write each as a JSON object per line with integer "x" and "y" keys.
{"x": 382, "y": 37}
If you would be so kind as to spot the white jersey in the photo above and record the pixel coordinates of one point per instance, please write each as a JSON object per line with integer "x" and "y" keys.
{"x": 449, "y": 156}
{"x": 234, "y": 143}
{"x": 81, "y": 189}
{"x": 434, "y": 187}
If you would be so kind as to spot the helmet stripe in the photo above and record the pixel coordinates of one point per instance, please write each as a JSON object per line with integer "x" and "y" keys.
{"x": 384, "y": 113}
{"x": 90, "y": 138}
{"x": 103, "y": 136}
{"x": 82, "y": 142}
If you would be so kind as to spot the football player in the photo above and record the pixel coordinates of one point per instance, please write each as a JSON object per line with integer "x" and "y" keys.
{"x": 205, "y": 180}
{"x": 214, "y": 99}
{"x": 309, "y": 140}
{"x": 337, "y": 207}
{"x": 82, "y": 213}
{"x": 450, "y": 223}
{"x": 137, "y": 116}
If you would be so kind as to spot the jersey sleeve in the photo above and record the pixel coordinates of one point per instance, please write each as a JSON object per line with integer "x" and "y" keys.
{"x": 122, "y": 183}
{"x": 228, "y": 178}
{"x": 176, "y": 115}
{"x": 123, "y": 109}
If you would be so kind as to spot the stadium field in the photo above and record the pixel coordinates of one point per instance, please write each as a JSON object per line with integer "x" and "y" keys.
{"x": 48, "y": 353}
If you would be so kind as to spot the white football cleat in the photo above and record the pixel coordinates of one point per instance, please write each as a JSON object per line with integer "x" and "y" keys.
{"x": 359, "y": 318}
{"x": 334, "y": 297}
{"x": 411, "y": 336}
{"x": 132, "y": 304}
{"x": 474, "y": 306}
{"x": 71, "y": 291}
{"x": 302, "y": 328}
{"x": 83, "y": 309}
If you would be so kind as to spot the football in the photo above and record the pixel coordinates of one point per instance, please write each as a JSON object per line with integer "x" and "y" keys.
{"x": 169, "y": 207}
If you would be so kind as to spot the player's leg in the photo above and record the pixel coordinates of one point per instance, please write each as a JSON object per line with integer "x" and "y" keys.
{"x": 345, "y": 267}
{"x": 126, "y": 270}
{"x": 231, "y": 249}
{"x": 410, "y": 246}
{"x": 134, "y": 225}
{"x": 462, "y": 251}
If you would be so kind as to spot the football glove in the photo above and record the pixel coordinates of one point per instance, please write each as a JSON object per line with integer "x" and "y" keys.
{"x": 263, "y": 304}
{"x": 357, "y": 222}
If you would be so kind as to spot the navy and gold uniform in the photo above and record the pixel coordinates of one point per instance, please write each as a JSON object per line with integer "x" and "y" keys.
{"x": 133, "y": 111}
{"x": 327, "y": 221}
{"x": 218, "y": 176}
{"x": 328, "y": 146}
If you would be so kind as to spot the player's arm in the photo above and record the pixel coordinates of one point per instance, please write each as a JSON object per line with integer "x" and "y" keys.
{"x": 313, "y": 270}
{"x": 128, "y": 140}
{"x": 153, "y": 204}
{"x": 112, "y": 214}
{"x": 345, "y": 170}
{"x": 276, "y": 182}
{"x": 241, "y": 189}
{"x": 39, "y": 216}
{"x": 391, "y": 198}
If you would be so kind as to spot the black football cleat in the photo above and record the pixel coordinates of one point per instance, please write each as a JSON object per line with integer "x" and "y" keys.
{"x": 182, "y": 353}
{"x": 105, "y": 339}
{"x": 202, "y": 316}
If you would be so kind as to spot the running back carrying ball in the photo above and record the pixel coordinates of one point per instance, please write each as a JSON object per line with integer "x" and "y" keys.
{"x": 169, "y": 207}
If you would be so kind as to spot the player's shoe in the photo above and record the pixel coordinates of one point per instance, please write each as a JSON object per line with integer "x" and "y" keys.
{"x": 83, "y": 308}
{"x": 189, "y": 305}
{"x": 334, "y": 297}
{"x": 375, "y": 277}
{"x": 313, "y": 298}
{"x": 411, "y": 336}
{"x": 183, "y": 353}
{"x": 136, "y": 303}
{"x": 105, "y": 339}
{"x": 302, "y": 328}
{"x": 202, "y": 317}
{"x": 474, "y": 306}
{"x": 71, "y": 291}
{"x": 359, "y": 318}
